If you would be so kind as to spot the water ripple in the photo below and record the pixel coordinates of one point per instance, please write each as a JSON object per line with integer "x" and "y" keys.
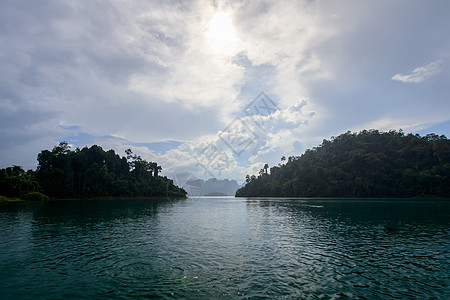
{"x": 236, "y": 249}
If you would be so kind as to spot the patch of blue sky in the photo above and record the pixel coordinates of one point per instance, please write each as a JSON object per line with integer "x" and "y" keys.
{"x": 242, "y": 159}
{"x": 442, "y": 128}
{"x": 71, "y": 127}
{"x": 160, "y": 147}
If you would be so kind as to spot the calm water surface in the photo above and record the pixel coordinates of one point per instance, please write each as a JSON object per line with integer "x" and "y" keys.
{"x": 226, "y": 248}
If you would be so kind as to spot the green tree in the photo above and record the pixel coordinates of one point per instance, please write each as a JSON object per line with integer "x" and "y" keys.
{"x": 15, "y": 182}
{"x": 247, "y": 178}
{"x": 365, "y": 164}
{"x": 89, "y": 172}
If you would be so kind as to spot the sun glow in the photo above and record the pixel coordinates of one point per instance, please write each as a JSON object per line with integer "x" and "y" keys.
{"x": 221, "y": 33}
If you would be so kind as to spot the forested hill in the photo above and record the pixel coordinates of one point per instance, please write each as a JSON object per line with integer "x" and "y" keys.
{"x": 88, "y": 172}
{"x": 365, "y": 164}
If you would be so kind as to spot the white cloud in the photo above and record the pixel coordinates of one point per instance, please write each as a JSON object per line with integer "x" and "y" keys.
{"x": 285, "y": 36}
{"x": 420, "y": 74}
{"x": 406, "y": 124}
{"x": 209, "y": 156}
{"x": 221, "y": 155}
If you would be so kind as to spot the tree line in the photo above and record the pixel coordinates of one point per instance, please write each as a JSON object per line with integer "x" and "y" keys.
{"x": 360, "y": 165}
{"x": 87, "y": 172}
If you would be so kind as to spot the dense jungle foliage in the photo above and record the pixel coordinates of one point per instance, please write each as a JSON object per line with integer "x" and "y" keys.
{"x": 360, "y": 165}
{"x": 87, "y": 172}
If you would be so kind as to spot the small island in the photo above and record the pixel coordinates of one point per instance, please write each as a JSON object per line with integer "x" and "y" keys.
{"x": 368, "y": 164}
{"x": 63, "y": 173}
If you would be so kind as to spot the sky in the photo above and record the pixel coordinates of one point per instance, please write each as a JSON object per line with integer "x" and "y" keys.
{"x": 217, "y": 88}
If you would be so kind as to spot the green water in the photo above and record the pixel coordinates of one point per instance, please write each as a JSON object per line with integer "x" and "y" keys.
{"x": 226, "y": 248}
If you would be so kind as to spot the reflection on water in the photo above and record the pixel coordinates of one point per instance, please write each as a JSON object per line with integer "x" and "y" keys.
{"x": 226, "y": 248}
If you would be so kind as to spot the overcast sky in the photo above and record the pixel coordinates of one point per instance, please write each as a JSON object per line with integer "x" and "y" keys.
{"x": 217, "y": 88}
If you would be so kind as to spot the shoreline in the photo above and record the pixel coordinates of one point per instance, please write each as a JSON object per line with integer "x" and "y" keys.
{"x": 5, "y": 200}
{"x": 161, "y": 197}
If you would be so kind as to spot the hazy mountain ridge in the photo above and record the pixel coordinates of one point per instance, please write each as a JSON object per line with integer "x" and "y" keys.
{"x": 200, "y": 187}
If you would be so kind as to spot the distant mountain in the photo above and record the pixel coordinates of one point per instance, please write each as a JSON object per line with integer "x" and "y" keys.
{"x": 212, "y": 186}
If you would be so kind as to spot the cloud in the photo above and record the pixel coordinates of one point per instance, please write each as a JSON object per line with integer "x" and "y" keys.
{"x": 420, "y": 74}
{"x": 233, "y": 152}
{"x": 245, "y": 143}
{"x": 139, "y": 74}
{"x": 285, "y": 37}
{"x": 122, "y": 72}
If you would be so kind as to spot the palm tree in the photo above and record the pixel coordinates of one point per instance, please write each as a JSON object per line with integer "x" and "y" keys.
{"x": 266, "y": 166}
{"x": 156, "y": 169}
{"x": 261, "y": 172}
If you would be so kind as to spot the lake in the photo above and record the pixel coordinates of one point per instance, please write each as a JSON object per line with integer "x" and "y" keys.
{"x": 226, "y": 248}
